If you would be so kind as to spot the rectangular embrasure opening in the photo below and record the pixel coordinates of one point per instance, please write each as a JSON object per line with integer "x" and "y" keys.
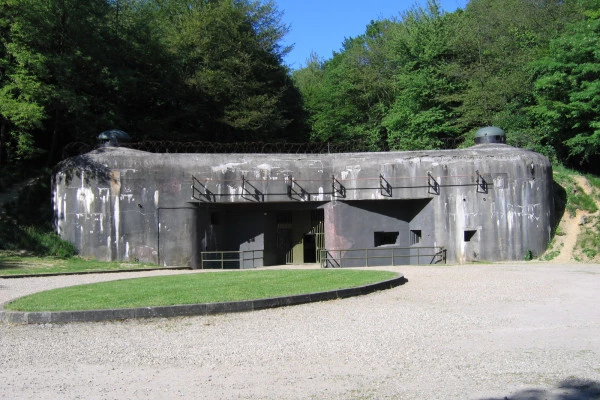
{"x": 385, "y": 238}
{"x": 469, "y": 235}
{"x": 415, "y": 236}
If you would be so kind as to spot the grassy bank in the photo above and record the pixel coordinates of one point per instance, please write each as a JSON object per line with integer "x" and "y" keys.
{"x": 26, "y": 215}
{"x": 195, "y": 288}
{"x": 16, "y": 263}
{"x": 572, "y": 196}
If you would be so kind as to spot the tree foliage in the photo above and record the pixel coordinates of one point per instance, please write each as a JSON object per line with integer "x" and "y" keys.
{"x": 214, "y": 70}
{"x": 429, "y": 79}
{"x": 175, "y": 70}
{"x": 21, "y": 96}
{"x": 567, "y": 91}
{"x": 422, "y": 112}
{"x": 346, "y": 97}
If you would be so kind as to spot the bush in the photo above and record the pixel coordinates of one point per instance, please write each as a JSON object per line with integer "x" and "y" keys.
{"x": 51, "y": 244}
{"x": 34, "y": 240}
{"x": 589, "y": 240}
{"x": 26, "y": 224}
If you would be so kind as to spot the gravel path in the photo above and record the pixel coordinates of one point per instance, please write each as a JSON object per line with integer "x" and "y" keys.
{"x": 521, "y": 331}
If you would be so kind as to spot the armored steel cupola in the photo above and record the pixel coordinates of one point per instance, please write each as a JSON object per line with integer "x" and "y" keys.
{"x": 111, "y": 138}
{"x": 490, "y": 134}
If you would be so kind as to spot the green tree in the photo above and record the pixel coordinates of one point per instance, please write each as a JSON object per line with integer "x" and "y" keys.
{"x": 142, "y": 90}
{"x": 493, "y": 43}
{"x": 347, "y": 97}
{"x": 60, "y": 45}
{"x": 567, "y": 92}
{"x": 388, "y": 88}
{"x": 21, "y": 95}
{"x": 423, "y": 111}
{"x": 178, "y": 70}
{"x": 230, "y": 56}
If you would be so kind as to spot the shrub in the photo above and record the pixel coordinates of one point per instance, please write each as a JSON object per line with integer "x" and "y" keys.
{"x": 34, "y": 240}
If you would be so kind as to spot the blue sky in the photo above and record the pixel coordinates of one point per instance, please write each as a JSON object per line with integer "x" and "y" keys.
{"x": 320, "y": 26}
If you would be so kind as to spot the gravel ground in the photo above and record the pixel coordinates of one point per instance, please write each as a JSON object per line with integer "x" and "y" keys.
{"x": 520, "y": 331}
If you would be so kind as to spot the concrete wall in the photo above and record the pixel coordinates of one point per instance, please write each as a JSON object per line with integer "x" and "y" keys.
{"x": 122, "y": 204}
{"x": 357, "y": 225}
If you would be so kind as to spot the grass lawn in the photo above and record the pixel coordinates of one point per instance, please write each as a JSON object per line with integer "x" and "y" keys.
{"x": 15, "y": 264}
{"x": 208, "y": 287}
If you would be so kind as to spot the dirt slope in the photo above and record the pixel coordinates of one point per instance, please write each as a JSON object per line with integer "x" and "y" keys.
{"x": 571, "y": 227}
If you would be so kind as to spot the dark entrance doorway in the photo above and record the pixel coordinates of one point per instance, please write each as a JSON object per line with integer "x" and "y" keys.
{"x": 285, "y": 233}
{"x": 310, "y": 248}
{"x": 285, "y": 238}
{"x": 300, "y": 236}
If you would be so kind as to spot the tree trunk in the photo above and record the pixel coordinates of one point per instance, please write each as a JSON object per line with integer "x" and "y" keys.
{"x": 52, "y": 156}
{"x": 3, "y": 159}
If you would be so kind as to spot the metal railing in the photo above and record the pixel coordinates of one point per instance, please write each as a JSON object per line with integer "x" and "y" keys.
{"x": 382, "y": 256}
{"x": 231, "y": 259}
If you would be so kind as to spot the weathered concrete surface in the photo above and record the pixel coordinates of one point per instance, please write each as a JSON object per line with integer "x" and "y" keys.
{"x": 487, "y": 202}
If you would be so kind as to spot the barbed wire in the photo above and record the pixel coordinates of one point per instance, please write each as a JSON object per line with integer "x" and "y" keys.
{"x": 247, "y": 147}
{"x": 165, "y": 146}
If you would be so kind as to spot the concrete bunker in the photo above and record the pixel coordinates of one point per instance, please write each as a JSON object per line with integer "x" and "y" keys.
{"x": 489, "y": 202}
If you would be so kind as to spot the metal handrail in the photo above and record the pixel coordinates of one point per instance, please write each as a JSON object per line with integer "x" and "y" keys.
{"x": 224, "y": 257}
{"x": 433, "y": 255}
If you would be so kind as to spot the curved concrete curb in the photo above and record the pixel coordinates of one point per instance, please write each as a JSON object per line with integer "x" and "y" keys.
{"x": 59, "y": 317}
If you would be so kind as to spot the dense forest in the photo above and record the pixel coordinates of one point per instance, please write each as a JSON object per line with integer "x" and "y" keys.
{"x": 214, "y": 71}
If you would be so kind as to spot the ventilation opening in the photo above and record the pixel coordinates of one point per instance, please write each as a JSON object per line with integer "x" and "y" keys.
{"x": 385, "y": 238}
{"x": 469, "y": 235}
{"x": 415, "y": 237}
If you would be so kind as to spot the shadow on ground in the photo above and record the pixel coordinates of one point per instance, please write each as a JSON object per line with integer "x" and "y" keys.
{"x": 10, "y": 260}
{"x": 560, "y": 204}
{"x": 568, "y": 389}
